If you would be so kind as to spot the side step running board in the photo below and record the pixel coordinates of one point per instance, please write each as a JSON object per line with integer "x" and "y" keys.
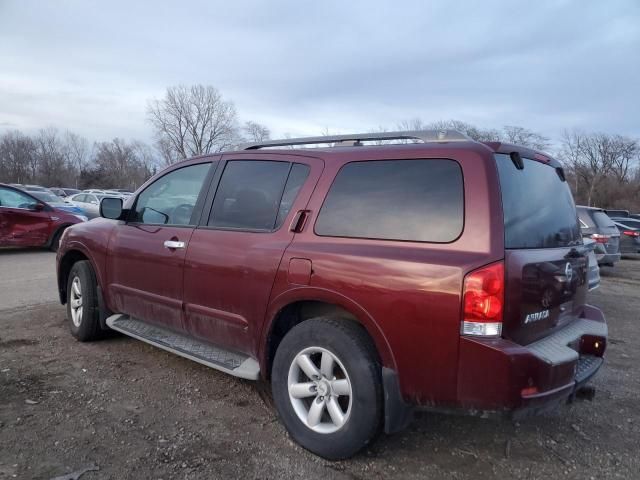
{"x": 233, "y": 363}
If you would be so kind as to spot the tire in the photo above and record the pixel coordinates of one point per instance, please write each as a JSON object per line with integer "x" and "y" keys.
{"x": 356, "y": 369}
{"x": 84, "y": 320}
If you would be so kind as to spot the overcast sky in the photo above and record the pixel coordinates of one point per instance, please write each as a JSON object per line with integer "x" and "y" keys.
{"x": 301, "y": 66}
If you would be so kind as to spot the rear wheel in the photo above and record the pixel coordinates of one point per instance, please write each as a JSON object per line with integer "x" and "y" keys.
{"x": 326, "y": 387}
{"x": 82, "y": 302}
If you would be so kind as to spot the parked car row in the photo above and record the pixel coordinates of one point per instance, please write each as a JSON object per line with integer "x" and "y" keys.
{"x": 67, "y": 192}
{"x": 86, "y": 202}
{"x": 616, "y": 232}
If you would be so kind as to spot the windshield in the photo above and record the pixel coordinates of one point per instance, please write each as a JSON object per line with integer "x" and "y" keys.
{"x": 47, "y": 197}
{"x": 539, "y": 211}
{"x": 601, "y": 219}
{"x": 628, "y": 223}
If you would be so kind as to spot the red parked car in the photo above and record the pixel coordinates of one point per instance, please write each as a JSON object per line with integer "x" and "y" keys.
{"x": 26, "y": 221}
{"x": 362, "y": 281}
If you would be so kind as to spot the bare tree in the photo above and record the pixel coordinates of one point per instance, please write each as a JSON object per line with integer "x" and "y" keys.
{"x": 625, "y": 153}
{"x": 78, "y": 153}
{"x": 193, "y": 120}
{"x": 524, "y": 137}
{"x": 255, "y": 132}
{"x": 482, "y": 135}
{"x": 167, "y": 152}
{"x": 53, "y": 167}
{"x": 16, "y": 153}
{"x": 569, "y": 153}
{"x": 119, "y": 164}
{"x": 594, "y": 157}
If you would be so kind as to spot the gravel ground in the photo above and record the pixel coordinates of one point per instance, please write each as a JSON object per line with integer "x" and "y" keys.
{"x": 137, "y": 412}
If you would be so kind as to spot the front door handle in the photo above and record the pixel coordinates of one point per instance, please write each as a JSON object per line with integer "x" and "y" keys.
{"x": 174, "y": 244}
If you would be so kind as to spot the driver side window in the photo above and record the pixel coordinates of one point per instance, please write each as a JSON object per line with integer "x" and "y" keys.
{"x": 14, "y": 199}
{"x": 170, "y": 200}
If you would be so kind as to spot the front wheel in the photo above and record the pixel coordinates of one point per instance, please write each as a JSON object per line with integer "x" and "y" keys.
{"x": 326, "y": 387}
{"x": 82, "y": 302}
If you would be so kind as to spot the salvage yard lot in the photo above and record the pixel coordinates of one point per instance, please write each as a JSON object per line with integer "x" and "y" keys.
{"x": 139, "y": 412}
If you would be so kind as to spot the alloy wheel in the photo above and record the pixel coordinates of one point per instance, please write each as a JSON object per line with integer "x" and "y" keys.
{"x": 75, "y": 300}
{"x": 320, "y": 390}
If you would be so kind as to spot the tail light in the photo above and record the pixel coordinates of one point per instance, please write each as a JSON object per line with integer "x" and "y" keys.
{"x": 599, "y": 238}
{"x": 483, "y": 300}
{"x": 632, "y": 233}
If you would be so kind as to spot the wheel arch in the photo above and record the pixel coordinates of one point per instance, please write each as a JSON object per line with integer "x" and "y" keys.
{"x": 71, "y": 256}
{"x": 302, "y": 304}
{"x": 56, "y": 232}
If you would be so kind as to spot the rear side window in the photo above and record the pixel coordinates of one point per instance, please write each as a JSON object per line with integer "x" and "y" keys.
{"x": 538, "y": 208}
{"x": 256, "y": 195}
{"x": 416, "y": 200}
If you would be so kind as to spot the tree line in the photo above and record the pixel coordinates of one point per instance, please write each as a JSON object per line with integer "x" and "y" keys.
{"x": 602, "y": 169}
{"x": 187, "y": 121}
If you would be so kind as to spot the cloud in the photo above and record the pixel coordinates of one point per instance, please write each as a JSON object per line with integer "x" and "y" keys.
{"x": 300, "y": 67}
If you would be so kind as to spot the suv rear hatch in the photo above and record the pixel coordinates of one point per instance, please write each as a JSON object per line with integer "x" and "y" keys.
{"x": 545, "y": 259}
{"x": 607, "y": 232}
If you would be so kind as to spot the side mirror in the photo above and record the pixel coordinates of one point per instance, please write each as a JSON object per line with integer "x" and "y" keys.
{"x": 38, "y": 207}
{"x": 111, "y": 208}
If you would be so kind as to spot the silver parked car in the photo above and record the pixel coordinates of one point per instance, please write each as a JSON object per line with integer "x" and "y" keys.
{"x": 88, "y": 202}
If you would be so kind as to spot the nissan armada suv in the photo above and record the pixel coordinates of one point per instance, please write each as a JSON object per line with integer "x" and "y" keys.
{"x": 383, "y": 273}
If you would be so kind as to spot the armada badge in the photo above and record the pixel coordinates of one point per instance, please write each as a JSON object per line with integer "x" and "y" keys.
{"x": 536, "y": 317}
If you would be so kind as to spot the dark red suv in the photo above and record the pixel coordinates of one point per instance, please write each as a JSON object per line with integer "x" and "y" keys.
{"x": 427, "y": 270}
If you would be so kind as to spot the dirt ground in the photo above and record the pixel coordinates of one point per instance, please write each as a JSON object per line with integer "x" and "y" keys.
{"x": 137, "y": 412}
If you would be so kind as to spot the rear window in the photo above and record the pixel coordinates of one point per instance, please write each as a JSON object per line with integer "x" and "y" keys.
{"x": 417, "y": 200}
{"x": 539, "y": 211}
{"x": 629, "y": 223}
{"x": 602, "y": 220}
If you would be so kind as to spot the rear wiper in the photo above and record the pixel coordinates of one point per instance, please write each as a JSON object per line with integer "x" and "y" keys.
{"x": 517, "y": 160}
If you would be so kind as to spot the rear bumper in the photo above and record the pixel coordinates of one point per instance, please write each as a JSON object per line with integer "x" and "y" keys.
{"x": 609, "y": 258}
{"x": 498, "y": 374}
{"x": 630, "y": 248}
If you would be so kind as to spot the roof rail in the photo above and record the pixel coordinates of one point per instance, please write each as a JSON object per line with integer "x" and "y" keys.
{"x": 355, "y": 139}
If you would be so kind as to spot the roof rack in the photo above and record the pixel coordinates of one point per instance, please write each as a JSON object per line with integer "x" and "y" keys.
{"x": 355, "y": 139}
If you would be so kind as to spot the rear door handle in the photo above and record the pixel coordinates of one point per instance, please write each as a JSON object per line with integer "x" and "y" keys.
{"x": 174, "y": 244}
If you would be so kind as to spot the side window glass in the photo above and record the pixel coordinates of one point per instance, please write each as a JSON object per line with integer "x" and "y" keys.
{"x": 297, "y": 176}
{"x": 249, "y": 195}
{"x": 170, "y": 200}
{"x": 13, "y": 199}
{"x": 416, "y": 200}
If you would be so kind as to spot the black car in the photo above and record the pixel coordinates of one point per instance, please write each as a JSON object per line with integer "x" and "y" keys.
{"x": 596, "y": 224}
{"x": 629, "y": 234}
